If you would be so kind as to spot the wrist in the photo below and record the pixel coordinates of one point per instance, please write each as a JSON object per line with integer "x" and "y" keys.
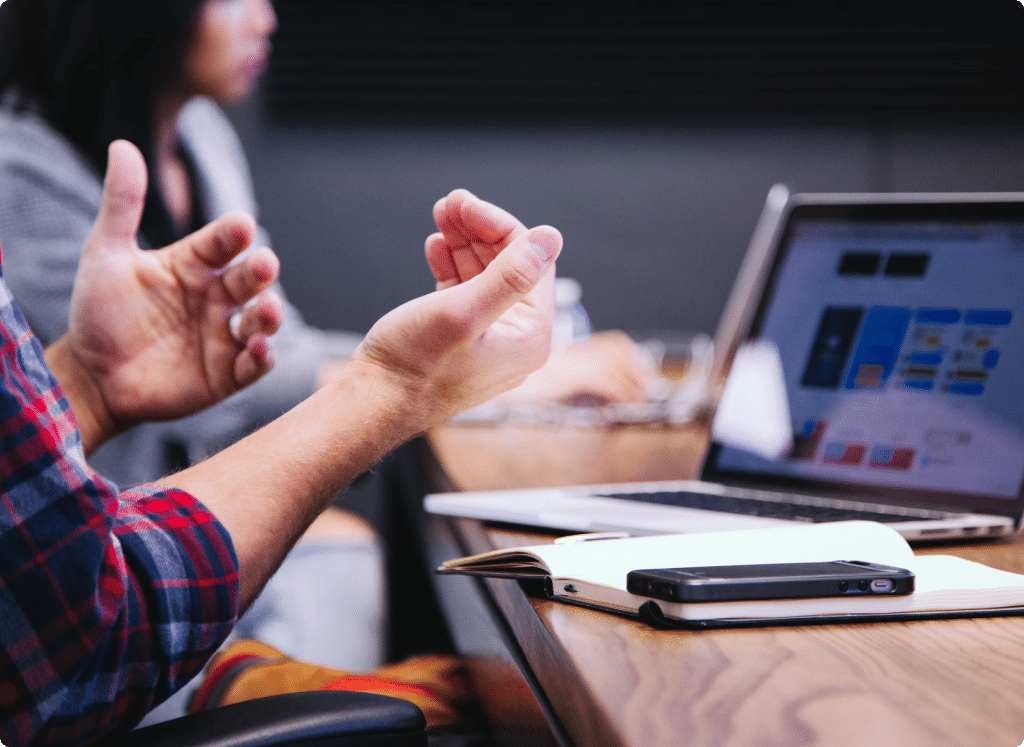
{"x": 388, "y": 400}
{"x": 91, "y": 413}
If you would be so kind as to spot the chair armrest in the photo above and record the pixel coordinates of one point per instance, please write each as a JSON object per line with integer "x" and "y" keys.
{"x": 344, "y": 719}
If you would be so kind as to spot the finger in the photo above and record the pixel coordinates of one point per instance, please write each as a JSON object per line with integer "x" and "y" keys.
{"x": 513, "y": 275}
{"x": 254, "y": 361}
{"x": 624, "y": 363}
{"x": 465, "y": 219}
{"x": 486, "y": 222}
{"x": 458, "y": 237}
{"x": 448, "y": 216}
{"x": 632, "y": 356}
{"x": 490, "y": 229}
{"x": 475, "y": 231}
{"x": 264, "y": 317}
{"x": 124, "y": 196}
{"x": 253, "y": 275}
{"x": 214, "y": 245}
{"x": 626, "y": 387}
{"x": 467, "y": 263}
{"x": 440, "y": 261}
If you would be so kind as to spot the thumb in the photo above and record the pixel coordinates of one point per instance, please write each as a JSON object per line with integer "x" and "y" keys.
{"x": 124, "y": 195}
{"x": 512, "y": 276}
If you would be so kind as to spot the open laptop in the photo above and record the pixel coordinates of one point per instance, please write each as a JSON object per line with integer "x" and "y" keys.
{"x": 899, "y": 324}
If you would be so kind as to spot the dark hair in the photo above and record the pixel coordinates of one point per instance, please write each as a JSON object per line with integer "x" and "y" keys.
{"x": 94, "y": 68}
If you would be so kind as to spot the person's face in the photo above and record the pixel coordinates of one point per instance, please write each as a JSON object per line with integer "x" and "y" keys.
{"x": 229, "y": 48}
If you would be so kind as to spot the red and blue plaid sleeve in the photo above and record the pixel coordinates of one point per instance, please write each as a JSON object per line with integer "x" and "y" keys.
{"x": 110, "y": 600}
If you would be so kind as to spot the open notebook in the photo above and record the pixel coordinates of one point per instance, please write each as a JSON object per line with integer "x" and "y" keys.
{"x": 592, "y": 573}
{"x": 897, "y": 329}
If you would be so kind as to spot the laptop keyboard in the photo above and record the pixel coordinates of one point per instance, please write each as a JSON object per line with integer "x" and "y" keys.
{"x": 775, "y": 509}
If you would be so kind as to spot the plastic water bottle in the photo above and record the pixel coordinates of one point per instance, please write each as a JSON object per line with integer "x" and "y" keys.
{"x": 571, "y": 322}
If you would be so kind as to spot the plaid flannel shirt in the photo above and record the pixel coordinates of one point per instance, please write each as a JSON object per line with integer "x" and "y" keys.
{"x": 110, "y": 600}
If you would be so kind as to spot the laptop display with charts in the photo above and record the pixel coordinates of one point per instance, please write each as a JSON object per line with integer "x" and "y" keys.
{"x": 897, "y": 322}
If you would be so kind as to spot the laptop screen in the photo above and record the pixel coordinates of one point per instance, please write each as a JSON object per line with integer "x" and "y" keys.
{"x": 900, "y": 328}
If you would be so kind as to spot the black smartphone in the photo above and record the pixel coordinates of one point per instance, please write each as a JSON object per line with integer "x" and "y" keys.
{"x": 770, "y": 581}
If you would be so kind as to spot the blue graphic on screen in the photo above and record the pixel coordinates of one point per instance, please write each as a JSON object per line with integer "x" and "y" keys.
{"x": 878, "y": 348}
{"x": 925, "y": 359}
{"x": 992, "y": 317}
{"x": 971, "y": 389}
{"x": 924, "y": 385}
{"x": 937, "y": 316}
{"x": 974, "y": 351}
{"x": 832, "y": 342}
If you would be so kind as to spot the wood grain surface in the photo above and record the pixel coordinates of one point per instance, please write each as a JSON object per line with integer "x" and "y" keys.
{"x": 614, "y": 681}
{"x": 526, "y": 456}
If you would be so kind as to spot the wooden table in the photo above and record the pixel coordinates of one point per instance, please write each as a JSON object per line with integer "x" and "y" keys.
{"x": 565, "y": 675}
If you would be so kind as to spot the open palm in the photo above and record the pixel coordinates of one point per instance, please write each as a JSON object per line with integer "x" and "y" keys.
{"x": 150, "y": 329}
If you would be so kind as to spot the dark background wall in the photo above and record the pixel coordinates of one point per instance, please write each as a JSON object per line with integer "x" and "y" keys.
{"x": 649, "y": 135}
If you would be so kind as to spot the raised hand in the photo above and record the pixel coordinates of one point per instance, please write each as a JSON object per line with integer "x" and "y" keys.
{"x": 489, "y": 323}
{"x": 150, "y": 334}
{"x": 483, "y": 331}
{"x": 607, "y": 368}
{"x": 471, "y": 232}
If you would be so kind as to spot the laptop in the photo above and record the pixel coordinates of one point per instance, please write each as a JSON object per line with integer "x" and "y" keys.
{"x": 898, "y": 321}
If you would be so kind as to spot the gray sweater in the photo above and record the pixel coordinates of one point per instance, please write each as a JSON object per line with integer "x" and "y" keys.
{"x": 49, "y": 197}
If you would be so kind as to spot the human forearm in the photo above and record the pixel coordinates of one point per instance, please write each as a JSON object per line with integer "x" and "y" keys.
{"x": 420, "y": 364}
{"x": 267, "y": 487}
